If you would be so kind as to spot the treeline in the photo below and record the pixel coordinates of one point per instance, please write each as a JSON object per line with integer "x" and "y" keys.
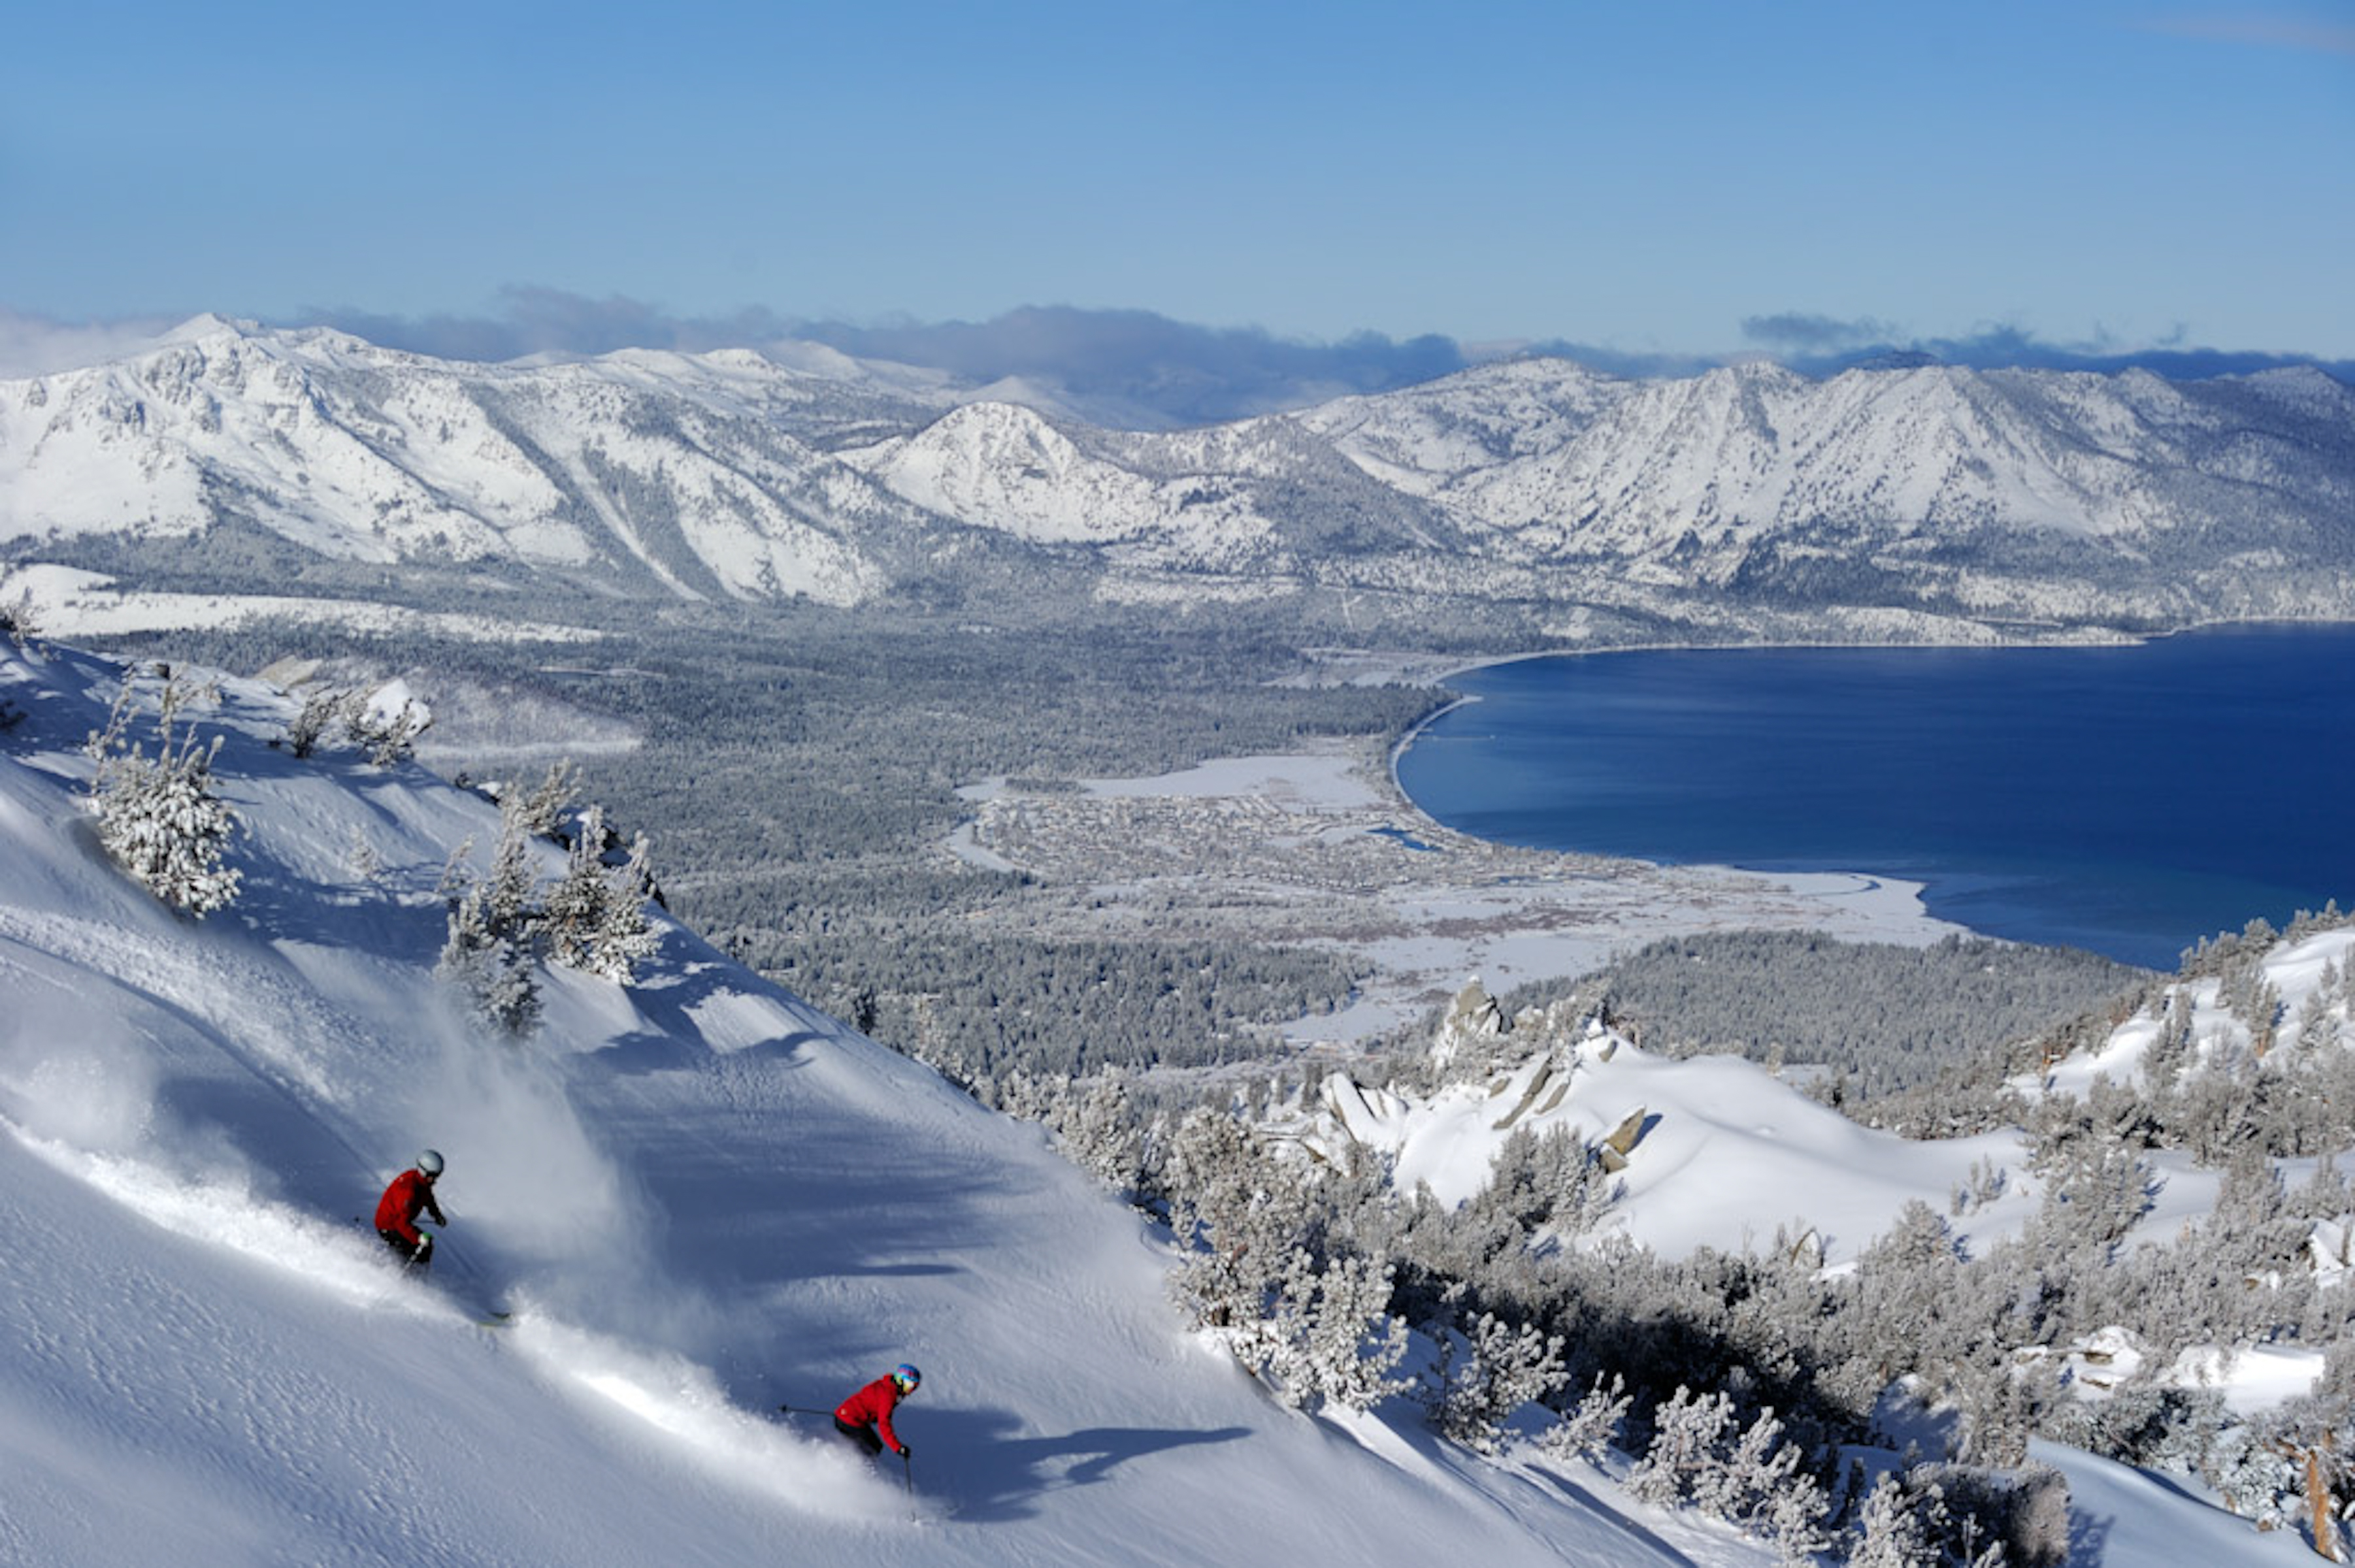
{"x": 982, "y": 1007}
{"x": 1881, "y": 1018}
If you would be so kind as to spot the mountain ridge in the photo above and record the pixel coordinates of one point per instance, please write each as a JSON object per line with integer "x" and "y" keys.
{"x": 2024, "y": 494}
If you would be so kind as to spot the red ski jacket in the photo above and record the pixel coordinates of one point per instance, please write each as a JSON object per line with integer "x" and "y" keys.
{"x": 872, "y": 1407}
{"x": 398, "y": 1210}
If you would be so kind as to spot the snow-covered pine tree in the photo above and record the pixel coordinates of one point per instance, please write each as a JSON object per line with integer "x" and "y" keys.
{"x": 1759, "y": 1468}
{"x": 1236, "y": 1216}
{"x": 595, "y": 917}
{"x": 1903, "y": 1282}
{"x": 1592, "y": 1425}
{"x": 627, "y": 938}
{"x": 1794, "y": 1521}
{"x": 1888, "y": 1534}
{"x": 160, "y": 817}
{"x": 1495, "y": 1371}
{"x": 491, "y": 952}
{"x": 1998, "y": 1402}
{"x": 1688, "y": 1432}
{"x": 541, "y": 812}
{"x": 1554, "y": 1179}
{"x": 494, "y": 970}
{"x": 2253, "y": 1476}
{"x": 1099, "y": 1130}
{"x": 1331, "y": 1336}
{"x": 507, "y": 903}
{"x": 575, "y": 913}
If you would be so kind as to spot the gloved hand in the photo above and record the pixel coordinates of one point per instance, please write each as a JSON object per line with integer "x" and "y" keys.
{"x": 424, "y": 1245}
{"x": 905, "y": 1451}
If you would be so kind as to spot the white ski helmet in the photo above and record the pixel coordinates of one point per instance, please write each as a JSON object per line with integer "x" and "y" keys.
{"x": 430, "y": 1162}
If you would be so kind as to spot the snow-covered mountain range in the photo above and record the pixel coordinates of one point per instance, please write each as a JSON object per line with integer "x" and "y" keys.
{"x": 798, "y": 471}
{"x": 706, "y": 1199}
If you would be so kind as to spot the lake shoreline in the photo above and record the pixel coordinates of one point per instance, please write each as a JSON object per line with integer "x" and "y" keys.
{"x": 2132, "y": 898}
{"x": 1318, "y": 848}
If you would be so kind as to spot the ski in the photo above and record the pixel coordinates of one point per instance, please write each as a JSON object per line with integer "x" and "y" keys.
{"x": 482, "y": 1315}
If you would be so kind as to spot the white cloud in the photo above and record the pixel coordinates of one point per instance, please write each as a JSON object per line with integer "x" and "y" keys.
{"x": 37, "y": 346}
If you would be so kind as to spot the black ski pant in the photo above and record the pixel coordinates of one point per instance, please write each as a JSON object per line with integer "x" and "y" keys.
{"x": 411, "y": 1257}
{"x": 868, "y": 1444}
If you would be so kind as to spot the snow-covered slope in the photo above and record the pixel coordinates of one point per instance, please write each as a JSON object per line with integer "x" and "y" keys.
{"x": 695, "y": 477}
{"x": 1560, "y": 459}
{"x": 1694, "y": 1126}
{"x": 705, "y": 1200}
{"x": 705, "y": 1197}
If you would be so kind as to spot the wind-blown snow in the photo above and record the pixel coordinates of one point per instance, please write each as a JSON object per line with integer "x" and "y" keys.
{"x": 703, "y": 1198}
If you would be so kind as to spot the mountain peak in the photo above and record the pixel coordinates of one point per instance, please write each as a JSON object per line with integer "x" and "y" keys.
{"x": 207, "y": 325}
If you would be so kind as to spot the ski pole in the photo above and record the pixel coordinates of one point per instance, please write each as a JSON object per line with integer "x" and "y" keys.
{"x": 442, "y": 1245}
{"x": 908, "y": 1470}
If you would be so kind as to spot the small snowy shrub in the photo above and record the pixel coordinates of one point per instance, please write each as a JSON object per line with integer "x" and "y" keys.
{"x": 319, "y": 714}
{"x": 2024, "y": 1510}
{"x": 160, "y": 817}
{"x": 20, "y": 620}
{"x": 389, "y": 735}
{"x": 361, "y": 859}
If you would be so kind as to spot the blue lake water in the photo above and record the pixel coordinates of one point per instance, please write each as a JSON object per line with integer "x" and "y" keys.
{"x": 2129, "y": 800}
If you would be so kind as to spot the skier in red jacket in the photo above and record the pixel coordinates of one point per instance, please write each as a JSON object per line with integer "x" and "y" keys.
{"x": 865, "y": 1416}
{"x": 411, "y": 1193}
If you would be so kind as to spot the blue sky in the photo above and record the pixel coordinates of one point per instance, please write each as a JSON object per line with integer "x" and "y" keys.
{"x": 1660, "y": 179}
